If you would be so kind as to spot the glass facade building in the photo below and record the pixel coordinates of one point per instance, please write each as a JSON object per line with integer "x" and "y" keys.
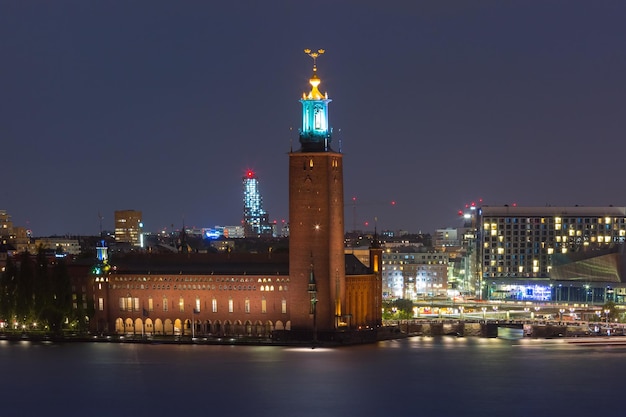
{"x": 255, "y": 220}
{"x": 552, "y": 253}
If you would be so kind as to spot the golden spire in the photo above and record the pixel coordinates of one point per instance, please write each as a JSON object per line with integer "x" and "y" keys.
{"x": 314, "y": 55}
{"x": 315, "y": 80}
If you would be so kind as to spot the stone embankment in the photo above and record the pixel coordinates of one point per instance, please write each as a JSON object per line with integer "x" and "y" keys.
{"x": 581, "y": 332}
{"x": 500, "y": 328}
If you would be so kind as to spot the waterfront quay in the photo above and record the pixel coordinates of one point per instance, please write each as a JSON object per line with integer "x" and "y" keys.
{"x": 431, "y": 319}
{"x": 512, "y": 329}
{"x": 393, "y": 329}
{"x": 278, "y": 338}
{"x": 489, "y": 319}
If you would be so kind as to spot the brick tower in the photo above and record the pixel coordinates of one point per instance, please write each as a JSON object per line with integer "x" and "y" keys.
{"x": 316, "y": 219}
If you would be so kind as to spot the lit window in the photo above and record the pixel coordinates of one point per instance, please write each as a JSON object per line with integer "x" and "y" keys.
{"x": 284, "y": 306}
{"x": 247, "y": 306}
{"x": 231, "y": 305}
{"x": 181, "y": 304}
{"x": 164, "y": 303}
{"x": 263, "y": 306}
{"x": 214, "y": 305}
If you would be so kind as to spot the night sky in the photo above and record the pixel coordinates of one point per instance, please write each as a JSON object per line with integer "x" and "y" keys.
{"x": 162, "y": 106}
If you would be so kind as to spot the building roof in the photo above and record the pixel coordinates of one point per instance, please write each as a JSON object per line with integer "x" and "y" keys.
{"x": 354, "y": 266}
{"x": 216, "y": 264}
{"x": 552, "y": 211}
{"x": 202, "y": 264}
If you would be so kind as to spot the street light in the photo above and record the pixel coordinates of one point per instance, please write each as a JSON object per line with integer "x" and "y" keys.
{"x": 561, "y": 311}
{"x": 484, "y": 309}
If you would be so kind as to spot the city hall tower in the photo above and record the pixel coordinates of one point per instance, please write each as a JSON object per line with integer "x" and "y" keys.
{"x": 316, "y": 218}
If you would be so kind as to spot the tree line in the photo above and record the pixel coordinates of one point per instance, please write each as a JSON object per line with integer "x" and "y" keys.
{"x": 36, "y": 293}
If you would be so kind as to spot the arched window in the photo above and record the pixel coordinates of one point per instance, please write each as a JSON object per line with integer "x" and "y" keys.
{"x": 318, "y": 116}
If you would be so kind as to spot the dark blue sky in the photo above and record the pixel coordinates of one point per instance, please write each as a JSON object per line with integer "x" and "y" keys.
{"x": 161, "y": 106}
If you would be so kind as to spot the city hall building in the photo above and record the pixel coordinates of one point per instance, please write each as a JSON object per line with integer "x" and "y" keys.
{"x": 314, "y": 289}
{"x": 559, "y": 254}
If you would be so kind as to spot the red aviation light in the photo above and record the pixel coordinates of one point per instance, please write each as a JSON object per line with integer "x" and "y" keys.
{"x": 250, "y": 173}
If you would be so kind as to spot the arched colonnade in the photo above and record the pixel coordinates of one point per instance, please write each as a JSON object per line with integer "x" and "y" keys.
{"x": 183, "y": 327}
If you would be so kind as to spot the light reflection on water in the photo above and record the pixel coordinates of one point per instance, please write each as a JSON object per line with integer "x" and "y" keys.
{"x": 444, "y": 376}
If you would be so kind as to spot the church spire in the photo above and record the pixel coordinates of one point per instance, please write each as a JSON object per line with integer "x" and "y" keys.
{"x": 315, "y": 134}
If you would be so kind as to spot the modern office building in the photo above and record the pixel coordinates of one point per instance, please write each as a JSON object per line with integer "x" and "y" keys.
{"x": 19, "y": 238}
{"x": 58, "y": 244}
{"x": 255, "y": 220}
{"x": 552, "y": 253}
{"x": 414, "y": 275}
{"x": 128, "y": 227}
{"x": 464, "y": 273}
{"x": 446, "y": 238}
{"x": 6, "y": 227}
{"x": 228, "y": 232}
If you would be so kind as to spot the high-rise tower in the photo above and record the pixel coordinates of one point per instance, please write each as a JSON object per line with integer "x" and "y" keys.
{"x": 316, "y": 216}
{"x": 128, "y": 227}
{"x": 255, "y": 221}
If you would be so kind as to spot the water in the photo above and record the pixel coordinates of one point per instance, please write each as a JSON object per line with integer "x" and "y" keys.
{"x": 431, "y": 377}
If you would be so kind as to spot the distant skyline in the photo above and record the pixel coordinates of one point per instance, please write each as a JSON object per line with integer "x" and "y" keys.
{"x": 163, "y": 106}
